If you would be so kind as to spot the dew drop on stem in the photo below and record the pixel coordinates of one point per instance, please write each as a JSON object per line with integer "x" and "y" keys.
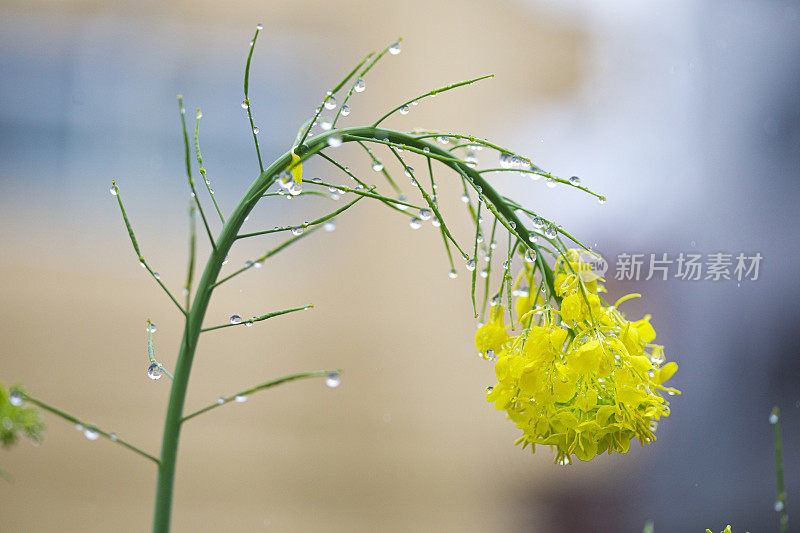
{"x": 333, "y": 380}
{"x": 236, "y": 319}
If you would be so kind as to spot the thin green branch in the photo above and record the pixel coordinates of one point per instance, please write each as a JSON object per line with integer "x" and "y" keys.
{"x": 304, "y": 225}
{"x": 246, "y": 102}
{"x": 361, "y": 75}
{"x": 368, "y": 194}
{"x": 247, "y": 392}
{"x": 187, "y": 289}
{"x": 780, "y": 503}
{"x": 136, "y": 247}
{"x": 328, "y": 96}
{"x": 441, "y": 231}
{"x": 546, "y": 175}
{"x": 431, "y": 93}
{"x": 151, "y": 352}
{"x": 251, "y": 321}
{"x": 189, "y": 177}
{"x": 403, "y": 146}
{"x": 202, "y": 169}
{"x": 268, "y": 254}
{"x": 475, "y": 259}
{"x": 428, "y": 201}
{"x": 488, "y": 270}
{"x": 385, "y": 172}
{"x": 90, "y": 427}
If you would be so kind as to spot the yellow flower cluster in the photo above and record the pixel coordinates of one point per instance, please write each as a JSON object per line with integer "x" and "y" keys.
{"x": 581, "y": 378}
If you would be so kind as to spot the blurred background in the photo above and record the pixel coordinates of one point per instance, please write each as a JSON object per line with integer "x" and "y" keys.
{"x": 685, "y": 114}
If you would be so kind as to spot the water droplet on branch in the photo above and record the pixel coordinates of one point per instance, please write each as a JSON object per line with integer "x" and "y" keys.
{"x": 333, "y": 380}
{"x": 154, "y": 372}
{"x": 236, "y": 319}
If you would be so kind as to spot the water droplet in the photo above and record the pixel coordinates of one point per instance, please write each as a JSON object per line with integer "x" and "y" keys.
{"x": 402, "y": 198}
{"x": 297, "y": 231}
{"x": 325, "y": 125}
{"x": 333, "y": 380}
{"x": 345, "y": 110}
{"x": 154, "y": 372}
{"x": 360, "y": 85}
{"x": 575, "y": 180}
{"x": 330, "y": 225}
{"x": 404, "y": 110}
{"x": 151, "y": 327}
{"x": 295, "y": 188}
{"x": 657, "y": 358}
{"x": 465, "y": 198}
{"x": 395, "y": 48}
{"x": 512, "y": 224}
{"x": 91, "y": 433}
{"x": 489, "y": 389}
{"x": 249, "y": 323}
{"x": 530, "y": 256}
{"x": 415, "y": 223}
{"x": 479, "y": 237}
{"x": 236, "y": 319}
{"x": 551, "y": 182}
{"x": 330, "y": 102}
{"x": 653, "y": 425}
{"x": 425, "y": 214}
{"x": 377, "y": 166}
{"x": 435, "y": 222}
{"x": 773, "y": 419}
{"x": 495, "y": 300}
{"x": 240, "y": 398}
{"x": 538, "y": 222}
{"x": 156, "y": 275}
{"x": 506, "y": 160}
{"x": 489, "y": 355}
{"x": 15, "y": 398}
{"x": 506, "y": 265}
{"x": 484, "y": 273}
{"x": 220, "y": 400}
{"x": 113, "y": 190}
{"x": 453, "y": 274}
{"x": 225, "y": 261}
{"x": 199, "y": 114}
{"x": 779, "y": 505}
{"x": 533, "y": 237}
{"x": 248, "y": 264}
{"x": 601, "y": 200}
{"x": 79, "y": 427}
{"x": 256, "y": 130}
{"x": 113, "y": 437}
{"x": 141, "y": 263}
{"x": 245, "y": 104}
{"x": 471, "y": 264}
{"x": 409, "y": 172}
{"x": 334, "y": 141}
{"x": 426, "y": 150}
{"x": 443, "y": 140}
{"x": 551, "y": 231}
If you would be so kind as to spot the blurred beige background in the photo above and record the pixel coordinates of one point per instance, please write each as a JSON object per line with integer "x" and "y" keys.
{"x": 407, "y": 442}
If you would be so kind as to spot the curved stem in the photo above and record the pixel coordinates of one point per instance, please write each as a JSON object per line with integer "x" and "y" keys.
{"x": 226, "y": 239}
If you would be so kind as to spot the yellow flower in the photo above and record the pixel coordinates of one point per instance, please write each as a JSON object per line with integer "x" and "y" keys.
{"x": 582, "y": 379}
{"x": 726, "y": 530}
{"x": 492, "y": 336}
{"x": 297, "y": 169}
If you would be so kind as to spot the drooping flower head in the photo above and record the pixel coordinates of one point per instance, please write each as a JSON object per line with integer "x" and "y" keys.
{"x": 581, "y": 378}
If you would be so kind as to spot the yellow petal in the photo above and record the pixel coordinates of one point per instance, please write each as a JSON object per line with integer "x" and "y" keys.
{"x": 297, "y": 170}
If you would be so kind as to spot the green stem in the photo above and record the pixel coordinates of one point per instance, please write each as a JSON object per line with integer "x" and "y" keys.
{"x": 247, "y": 392}
{"x": 224, "y": 242}
{"x": 69, "y": 418}
{"x": 783, "y": 521}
